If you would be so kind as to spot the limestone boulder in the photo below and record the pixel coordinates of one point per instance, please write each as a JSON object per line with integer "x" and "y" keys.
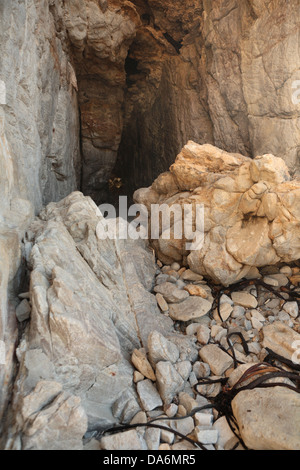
{"x": 248, "y": 217}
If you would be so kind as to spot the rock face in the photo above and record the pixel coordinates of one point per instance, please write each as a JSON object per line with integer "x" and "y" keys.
{"x": 250, "y": 216}
{"x": 223, "y": 80}
{"x": 91, "y": 307}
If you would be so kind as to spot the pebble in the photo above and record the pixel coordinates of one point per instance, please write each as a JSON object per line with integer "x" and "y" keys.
{"x": 137, "y": 376}
{"x": 141, "y": 363}
{"x": 148, "y": 395}
{"x": 216, "y": 358}
{"x": 127, "y": 440}
{"x": 171, "y": 293}
{"x": 184, "y": 426}
{"x": 203, "y": 334}
{"x": 201, "y": 369}
{"x": 193, "y": 289}
{"x": 23, "y": 311}
{"x": 225, "y": 311}
{"x": 189, "y": 275}
{"x": 291, "y": 308}
{"x": 190, "y": 309}
{"x": 203, "y": 419}
{"x": 162, "y": 303}
{"x": 256, "y": 323}
{"x": 171, "y": 410}
{"x": 152, "y": 438}
{"x": 244, "y": 299}
{"x": 270, "y": 281}
{"x": 238, "y": 311}
{"x": 206, "y": 435}
{"x": 184, "y": 368}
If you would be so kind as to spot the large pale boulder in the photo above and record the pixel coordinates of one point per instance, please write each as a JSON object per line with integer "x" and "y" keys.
{"x": 268, "y": 419}
{"x": 250, "y": 216}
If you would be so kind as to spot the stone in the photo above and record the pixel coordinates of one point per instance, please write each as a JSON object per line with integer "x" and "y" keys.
{"x": 169, "y": 381}
{"x": 270, "y": 281}
{"x": 171, "y": 410}
{"x": 23, "y": 311}
{"x": 188, "y": 402}
{"x": 225, "y": 311}
{"x": 225, "y": 434}
{"x": 244, "y": 299}
{"x": 184, "y": 426}
{"x": 281, "y": 339}
{"x": 161, "y": 349}
{"x": 203, "y": 419}
{"x": 201, "y": 369}
{"x": 148, "y": 395}
{"x": 141, "y": 363}
{"x": 268, "y": 419}
{"x": 184, "y": 368}
{"x": 171, "y": 293}
{"x": 256, "y": 324}
{"x": 162, "y": 303}
{"x": 203, "y": 334}
{"x": 55, "y": 419}
{"x": 127, "y": 440}
{"x": 72, "y": 271}
{"x": 218, "y": 360}
{"x": 137, "y": 376}
{"x": 196, "y": 290}
{"x": 152, "y": 438}
{"x": 190, "y": 309}
{"x": 291, "y": 308}
{"x": 139, "y": 418}
{"x": 206, "y": 435}
{"x": 189, "y": 275}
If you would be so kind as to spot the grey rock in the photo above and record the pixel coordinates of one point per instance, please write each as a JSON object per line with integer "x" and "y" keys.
{"x": 169, "y": 381}
{"x": 218, "y": 360}
{"x": 190, "y": 309}
{"x": 148, "y": 395}
{"x": 161, "y": 349}
{"x": 171, "y": 293}
{"x": 23, "y": 311}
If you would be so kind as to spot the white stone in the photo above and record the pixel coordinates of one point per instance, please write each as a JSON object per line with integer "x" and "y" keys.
{"x": 291, "y": 308}
{"x": 203, "y": 419}
{"x": 206, "y": 435}
{"x": 203, "y": 334}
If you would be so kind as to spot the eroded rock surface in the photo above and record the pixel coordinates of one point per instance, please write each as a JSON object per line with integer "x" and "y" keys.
{"x": 91, "y": 307}
{"x": 250, "y": 212}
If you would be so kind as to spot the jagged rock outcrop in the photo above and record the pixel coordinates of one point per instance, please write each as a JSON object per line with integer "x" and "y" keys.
{"x": 250, "y": 212}
{"x": 91, "y": 307}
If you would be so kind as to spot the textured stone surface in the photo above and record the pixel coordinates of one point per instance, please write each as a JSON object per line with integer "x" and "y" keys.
{"x": 240, "y": 230}
{"x": 91, "y": 307}
{"x": 268, "y": 419}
